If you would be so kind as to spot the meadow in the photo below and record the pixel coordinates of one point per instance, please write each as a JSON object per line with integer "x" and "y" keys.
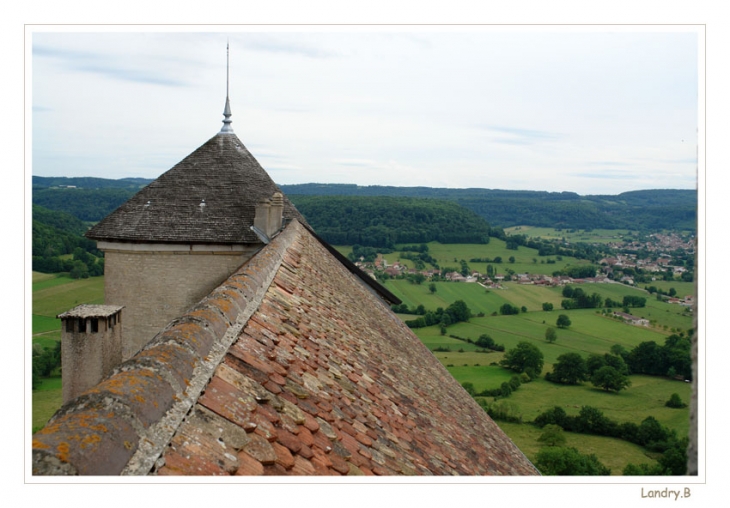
{"x": 52, "y": 295}
{"x": 449, "y": 256}
{"x": 591, "y": 331}
{"x": 571, "y": 235}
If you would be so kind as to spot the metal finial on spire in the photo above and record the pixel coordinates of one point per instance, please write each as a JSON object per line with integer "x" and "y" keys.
{"x": 227, "y": 129}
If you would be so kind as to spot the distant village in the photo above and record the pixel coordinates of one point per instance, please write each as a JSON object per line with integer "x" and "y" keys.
{"x": 659, "y": 262}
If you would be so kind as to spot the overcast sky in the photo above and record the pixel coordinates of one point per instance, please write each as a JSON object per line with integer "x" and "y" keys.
{"x": 596, "y": 110}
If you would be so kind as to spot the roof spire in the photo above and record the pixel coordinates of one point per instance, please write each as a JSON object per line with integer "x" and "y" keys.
{"x": 227, "y": 129}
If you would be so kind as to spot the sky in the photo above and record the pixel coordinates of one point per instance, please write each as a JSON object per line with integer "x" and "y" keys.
{"x": 586, "y": 109}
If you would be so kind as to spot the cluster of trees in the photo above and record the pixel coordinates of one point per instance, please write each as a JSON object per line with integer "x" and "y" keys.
{"x": 610, "y": 371}
{"x": 454, "y": 313}
{"x": 630, "y": 301}
{"x": 485, "y": 341}
{"x": 568, "y": 461}
{"x": 673, "y": 359}
{"x": 554, "y": 459}
{"x": 653, "y": 289}
{"x": 650, "y": 434}
{"x": 387, "y": 221}
{"x": 57, "y": 234}
{"x": 504, "y": 390}
{"x": 578, "y": 271}
{"x": 45, "y": 362}
{"x": 559, "y": 248}
{"x": 525, "y": 357}
{"x": 576, "y": 298}
{"x": 508, "y": 309}
{"x": 368, "y": 254}
{"x": 419, "y": 255}
{"x": 607, "y": 371}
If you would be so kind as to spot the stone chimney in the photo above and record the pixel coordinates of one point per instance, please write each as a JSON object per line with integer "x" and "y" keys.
{"x": 269, "y": 214}
{"x": 91, "y": 346}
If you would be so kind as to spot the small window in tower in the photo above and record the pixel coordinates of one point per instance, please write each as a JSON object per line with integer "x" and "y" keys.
{"x": 94, "y": 325}
{"x": 82, "y": 325}
{"x": 70, "y": 325}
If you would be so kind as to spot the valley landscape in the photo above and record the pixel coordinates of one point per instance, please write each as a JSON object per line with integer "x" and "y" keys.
{"x": 480, "y": 274}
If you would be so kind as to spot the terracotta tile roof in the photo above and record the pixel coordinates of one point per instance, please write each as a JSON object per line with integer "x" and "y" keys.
{"x": 290, "y": 367}
{"x": 208, "y": 197}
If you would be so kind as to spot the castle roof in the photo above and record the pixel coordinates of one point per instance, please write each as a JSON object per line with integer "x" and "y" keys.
{"x": 208, "y": 197}
{"x": 289, "y": 367}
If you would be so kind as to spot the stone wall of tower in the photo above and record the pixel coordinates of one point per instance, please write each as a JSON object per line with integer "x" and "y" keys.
{"x": 157, "y": 286}
{"x": 90, "y": 347}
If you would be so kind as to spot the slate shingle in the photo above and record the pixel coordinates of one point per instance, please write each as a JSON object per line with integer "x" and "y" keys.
{"x": 208, "y": 197}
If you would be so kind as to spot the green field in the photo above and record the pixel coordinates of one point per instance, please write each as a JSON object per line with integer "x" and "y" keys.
{"x": 578, "y": 235}
{"x": 52, "y": 295}
{"x": 476, "y": 297}
{"x": 47, "y": 400}
{"x": 613, "y": 453}
{"x": 590, "y": 332}
{"x": 449, "y": 255}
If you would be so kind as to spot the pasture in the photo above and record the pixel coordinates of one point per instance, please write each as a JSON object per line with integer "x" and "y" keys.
{"x": 612, "y": 453}
{"x": 47, "y": 400}
{"x": 570, "y": 235}
{"x": 590, "y": 332}
{"x": 52, "y": 295}
{"x": 450, "y": 255}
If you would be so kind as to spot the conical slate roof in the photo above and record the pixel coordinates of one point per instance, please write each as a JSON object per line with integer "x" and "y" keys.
{"x": 208, "y": 197}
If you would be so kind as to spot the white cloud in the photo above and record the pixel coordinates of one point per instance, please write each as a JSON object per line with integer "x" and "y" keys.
{"x": 523, "y": 109}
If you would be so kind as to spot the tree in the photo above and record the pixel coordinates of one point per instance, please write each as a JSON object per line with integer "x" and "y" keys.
{"x": 569, "y": 462}
{"x": 485, "y": 341}
{"x": 563, "y": 321}
{"x": 570, "y": 369}
{"x": 511, "y": 259}
{"x": 551, "y": 335}
{"x": 507, "y": 309}
{"x": 675, "y": 401}
{"x": 79, "y": 270}
{"x": 547, "y": 306}
{"x": 458, "y": 311}
{"x": 432, "y": 288}
{"x": 525, "y": 357}
{"x": 552, "y": 435}
{"x": 610, "y": 379}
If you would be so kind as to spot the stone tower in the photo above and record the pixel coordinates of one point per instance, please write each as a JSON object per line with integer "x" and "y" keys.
{"x": 91, "y": 346}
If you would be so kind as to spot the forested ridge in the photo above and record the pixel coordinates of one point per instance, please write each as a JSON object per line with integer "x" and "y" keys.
{"x": 56, "y": 234}
{"x": 379, "y": 215}
{"x": 645, "y": 209}
{"x": 385, "y": 221}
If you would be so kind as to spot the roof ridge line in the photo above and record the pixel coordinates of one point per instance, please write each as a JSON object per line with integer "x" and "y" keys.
{"x": 143, "y": 460}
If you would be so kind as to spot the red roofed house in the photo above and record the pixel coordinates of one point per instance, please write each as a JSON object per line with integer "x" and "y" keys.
{"x": 251, "y": 347}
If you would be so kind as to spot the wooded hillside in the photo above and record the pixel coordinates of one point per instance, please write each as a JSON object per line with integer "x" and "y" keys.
{"x": 385, "y": 221}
